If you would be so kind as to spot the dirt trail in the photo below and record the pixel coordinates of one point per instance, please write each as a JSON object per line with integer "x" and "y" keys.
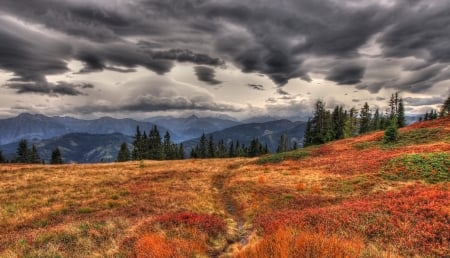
{"x": 230, "y": 207}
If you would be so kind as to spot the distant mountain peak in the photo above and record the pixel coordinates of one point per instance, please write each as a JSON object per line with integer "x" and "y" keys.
{"x": 29, "y": 115}
{"x": 193, "y": 117}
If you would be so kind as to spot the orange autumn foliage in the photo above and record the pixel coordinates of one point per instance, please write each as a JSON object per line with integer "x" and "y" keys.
{"x": 286, "y": 243}
{"x": 157, "y": 246}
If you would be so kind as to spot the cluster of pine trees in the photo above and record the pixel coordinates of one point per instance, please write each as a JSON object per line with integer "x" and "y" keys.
{"x": 27, "y": 155}
{"x": 151, "y": 147}
{"x": 207, "y": 148}
{"x": 327, "y": 126}
{"x": 429, "y": 116}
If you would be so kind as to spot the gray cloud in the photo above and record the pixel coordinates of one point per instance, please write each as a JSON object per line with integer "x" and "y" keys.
{"x": 149, "y": 103}
{"x": 30, "y": 55}
{"x": 256, "y": 86}
{"x": 282, "y": 92}
{"x": 206, "y": 74}
{"x": 423, "y": 101}
{"x": 46, "y": 88}
{"x": 346, "y": 74}
{"x": 274, "y": 38}
{"x": 185, "y": 55}
{"x": 419, "y": 32}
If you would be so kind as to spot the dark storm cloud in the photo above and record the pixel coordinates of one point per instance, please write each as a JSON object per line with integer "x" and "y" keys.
{"x": 206, "y": 74}
{"x": 256, "y": 86}
{"x": 414, "y": 81}
{"x": 152, "y": 104}
{"x": 346, "y": 74}
{"x": 274, "y": 38}
{"x": 29, "y": 55}
{"x": 185, "y": 55}
{"x": 52, "y": 89}
{"x": 423, "y": 101}
{"x": 420, "y": 32}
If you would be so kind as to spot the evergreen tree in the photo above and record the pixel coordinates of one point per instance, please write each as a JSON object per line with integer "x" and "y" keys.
{"x": 181, "y": 151}
{"x": 294, "y": 146}
{"x": 253, "y": 150}
{"x": 2, "y": 158}
{"x": 283, "y": 144}
{"x": 426, "y": 116}
{"x": 445, "y": 109}
{"x": 56, "y": 157}
{"x": 391, "y": 132}
{"x": 203, "y": 148}
{"x": 145, "y": 146}
{"x": 401, "y": 121}
{"x": 365, "y": 118}
{"x": 435, "y": 115}
{"x": 393, "y": 105}
{"x": 231, "y": 150}
{"x": 22, "y": 154}
{"x": 221, "y": 150}
{"x": 194, "y": 153}
{"x": 155, "y": 148}
{"x": 167, "y": 147}
{"x": 376, "y": 121}
{"x": 124, "y": 153}
{"x": 307, "y": 138}
{"x": 211, "y": 147}
{"x": 351, "y": 123}
{"x": 338, "y": 117}
{"x": 34, "y": 157}
{"x": 384, "y": 121}
{"x": 321, "y": 127}
{"x": 138, "y": 147}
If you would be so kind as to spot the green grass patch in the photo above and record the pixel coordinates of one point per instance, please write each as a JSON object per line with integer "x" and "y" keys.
{"x": 364, "y": 145}
{"x": 420, "y": 136}
{"x": 279, "y": 157}
{"x": 431, "y": 167}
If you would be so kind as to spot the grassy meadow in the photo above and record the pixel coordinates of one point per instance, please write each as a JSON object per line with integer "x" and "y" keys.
{"x": 355, "y": 197}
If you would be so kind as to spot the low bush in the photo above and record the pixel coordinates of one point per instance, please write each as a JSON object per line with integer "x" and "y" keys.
{"x": 431, "y": 167}
{"x": 279, "y": 157}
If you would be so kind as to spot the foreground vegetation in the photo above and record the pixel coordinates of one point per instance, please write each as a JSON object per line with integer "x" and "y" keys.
{"x": 357, "y": 197}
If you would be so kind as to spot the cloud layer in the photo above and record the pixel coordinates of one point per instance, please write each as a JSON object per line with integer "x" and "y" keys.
{"x": 345, "y": 42}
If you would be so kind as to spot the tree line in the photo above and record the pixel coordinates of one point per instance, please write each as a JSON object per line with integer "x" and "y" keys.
{"x": 327, "y": 125}
{"x": 30, "y": 155}
{"x": 323, "y": 127}
{"x": 207, "y": 148}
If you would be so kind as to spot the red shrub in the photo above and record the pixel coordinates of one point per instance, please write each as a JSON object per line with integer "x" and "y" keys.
{"x": 157, "y": 246}
{"x": 415, "y": 219}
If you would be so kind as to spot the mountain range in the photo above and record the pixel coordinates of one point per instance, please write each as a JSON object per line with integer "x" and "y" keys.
{"x": 36, "y": 127}
{"x": 268, "y": 133}
{"x": 193, "y": 126}
{"x": 87, "y": 141}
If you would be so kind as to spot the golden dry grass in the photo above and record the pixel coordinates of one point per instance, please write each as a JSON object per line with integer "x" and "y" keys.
{"x": 207, "y": 208}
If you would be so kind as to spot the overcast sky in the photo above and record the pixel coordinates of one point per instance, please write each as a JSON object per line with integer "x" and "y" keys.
{"x": 142, "y": 58}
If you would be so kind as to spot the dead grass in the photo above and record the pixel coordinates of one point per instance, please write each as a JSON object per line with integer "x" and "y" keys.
{"x": 170, "y": 209}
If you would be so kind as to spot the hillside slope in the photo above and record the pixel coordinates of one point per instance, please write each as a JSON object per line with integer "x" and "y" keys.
{"x": 268, "y": 133}
{"x": 355, "y": 197}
